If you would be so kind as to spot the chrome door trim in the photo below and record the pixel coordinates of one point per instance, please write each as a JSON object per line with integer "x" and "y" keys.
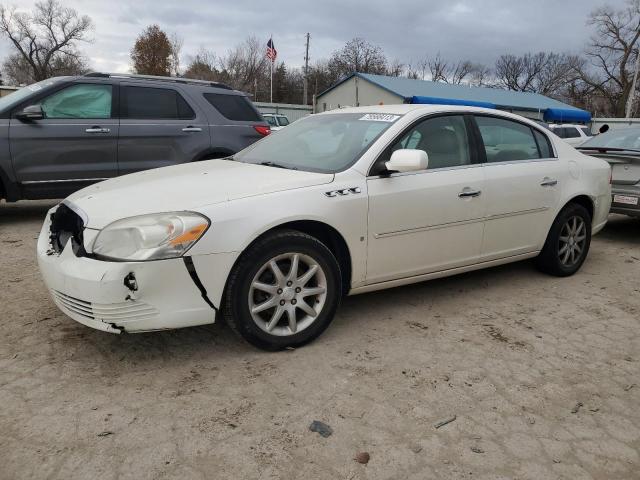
{"x": 455, "y": 224}
{"x": 29, "y": 182}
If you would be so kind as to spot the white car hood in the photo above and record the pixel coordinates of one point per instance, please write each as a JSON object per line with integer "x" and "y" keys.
{"x": 185, "y": 187}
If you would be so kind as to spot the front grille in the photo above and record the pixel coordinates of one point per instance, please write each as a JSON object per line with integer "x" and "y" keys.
{"x": 106, "y": 312}
{"x": 66, "y": 225}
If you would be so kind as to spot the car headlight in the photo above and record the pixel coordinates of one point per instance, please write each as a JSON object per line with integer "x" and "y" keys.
{"x": 150, "y": 237}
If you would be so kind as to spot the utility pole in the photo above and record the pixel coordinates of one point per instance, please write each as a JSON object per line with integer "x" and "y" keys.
{"x": 306, "y": 70}
{"x": 632, "y": 93}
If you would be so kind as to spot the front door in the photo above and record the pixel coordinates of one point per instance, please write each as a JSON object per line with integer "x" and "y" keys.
{"x": 431, "y": 220}
{"x": 522, "y": 186}
{"x": 158, "y": 127}
{"x": 75, "y": 144}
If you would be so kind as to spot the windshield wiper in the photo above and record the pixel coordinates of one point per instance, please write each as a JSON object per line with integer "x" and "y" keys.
{"x": 276, "y": 165}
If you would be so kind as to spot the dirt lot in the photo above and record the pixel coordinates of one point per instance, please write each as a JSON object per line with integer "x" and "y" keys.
{"x": 542, "y": 375}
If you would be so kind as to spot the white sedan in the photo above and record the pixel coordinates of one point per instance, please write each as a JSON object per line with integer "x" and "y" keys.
{"x": 343, "y": 202}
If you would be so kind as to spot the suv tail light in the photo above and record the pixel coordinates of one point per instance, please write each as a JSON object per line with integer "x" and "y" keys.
{"x": 262, "y": 130}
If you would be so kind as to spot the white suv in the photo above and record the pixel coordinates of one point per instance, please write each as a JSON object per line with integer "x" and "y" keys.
{"x": 343, "y": 202}
{"x": 572, "y": 134}
{"x": 276, "y": 121}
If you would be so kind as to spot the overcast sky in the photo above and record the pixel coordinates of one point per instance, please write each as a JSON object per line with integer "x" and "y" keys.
{"x": 478, "y": 30}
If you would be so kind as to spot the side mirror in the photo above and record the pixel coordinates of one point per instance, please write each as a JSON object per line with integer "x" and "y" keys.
{"x": 407, "y": 160}
{"x": 31, "y": 113}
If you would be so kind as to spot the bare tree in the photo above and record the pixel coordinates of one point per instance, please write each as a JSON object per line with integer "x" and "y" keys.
{"x": 396, "y": 68}
{"x": 203, "y": 66}
{"x": 543, "y": 72}
{"x": 357, "y": 55}
{"x": 245, "y": 65}
{"x": 44, "y": 38}
{"x": 176, "y": 49}
{"x": 612, "y": 54}
{"x": 455, "y": 73}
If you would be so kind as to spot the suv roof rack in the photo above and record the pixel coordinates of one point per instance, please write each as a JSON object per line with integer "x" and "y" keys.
{"x": 156, "y": 78}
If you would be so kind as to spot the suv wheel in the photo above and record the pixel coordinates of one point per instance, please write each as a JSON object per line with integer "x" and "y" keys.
{"x": 284, "y": 291}
{"x": 568, "y": 242}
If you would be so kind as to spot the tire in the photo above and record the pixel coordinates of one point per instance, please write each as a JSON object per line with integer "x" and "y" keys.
{"x": 275, "y": 299}
{"x": 565, "y": 251}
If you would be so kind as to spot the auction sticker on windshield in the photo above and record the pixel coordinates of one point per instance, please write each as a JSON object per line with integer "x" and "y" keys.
{"x": 380, "y": 117}
{"x": 626, "y": 199}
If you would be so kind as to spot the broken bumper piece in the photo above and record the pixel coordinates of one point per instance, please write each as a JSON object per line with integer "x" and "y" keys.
{"x": 121, "y": 297}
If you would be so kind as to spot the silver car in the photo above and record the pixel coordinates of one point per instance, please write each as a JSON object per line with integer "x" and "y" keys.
{"x": 621, "y": 148}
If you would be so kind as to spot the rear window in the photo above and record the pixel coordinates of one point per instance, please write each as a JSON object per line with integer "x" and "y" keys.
{"x": 156, "y": 103}
{"x": 233, "y": 107}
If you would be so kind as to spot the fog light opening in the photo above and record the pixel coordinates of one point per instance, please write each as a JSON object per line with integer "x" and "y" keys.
{"x": 130, "y": 282}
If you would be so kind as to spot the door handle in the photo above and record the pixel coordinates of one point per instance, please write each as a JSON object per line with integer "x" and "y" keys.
{"x": 549, "y": 182}
{"x": 98, "y": 130}
{"x": 467, "y": 193}
{"x": 191, "y": 129}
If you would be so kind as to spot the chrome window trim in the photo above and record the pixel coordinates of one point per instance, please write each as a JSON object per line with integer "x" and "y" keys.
{"x": 432, "y": 170}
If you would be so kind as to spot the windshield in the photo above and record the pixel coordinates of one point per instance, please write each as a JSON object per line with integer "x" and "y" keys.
{"x": 617, "y": 138}
{"x": 283, "y": 121}
{"x": 12, "y": 99}
{"x": 327, "y": 143}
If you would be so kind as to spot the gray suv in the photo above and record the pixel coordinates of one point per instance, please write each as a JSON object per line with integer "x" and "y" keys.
{"x": 64, "y": 133}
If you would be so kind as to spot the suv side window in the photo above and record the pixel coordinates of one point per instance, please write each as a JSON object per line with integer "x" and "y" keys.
{"x": 505, "y": 140}
{"x": 233, "y": 107}
{"x": 571, "y": 132}
{"x": 79, "y": 101}
{"x": 444, "y": 139}
{"x": 154, "y": 103}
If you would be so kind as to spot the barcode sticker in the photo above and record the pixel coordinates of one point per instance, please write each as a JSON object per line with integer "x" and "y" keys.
{"x": 380, "y": 117}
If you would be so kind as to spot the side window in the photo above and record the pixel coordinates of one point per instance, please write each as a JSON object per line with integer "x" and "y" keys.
{"x": 283, "y": 121}
{"x": 154, "y": 103}
{"x": 543, "y": 144}
{"x": 571, "y": 132}
{"x": 271, "y": 121}
{"x": 233, "y": 107}
{"x": 443, "y": 138}
{"x": 505, "y": 140}
{"x": 587, "y": 131}
{"x": 79, "y": 101}
{"x": 559, "y": 132}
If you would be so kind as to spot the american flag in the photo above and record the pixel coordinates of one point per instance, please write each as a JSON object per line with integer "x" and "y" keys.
{"x": 272, "y": 53}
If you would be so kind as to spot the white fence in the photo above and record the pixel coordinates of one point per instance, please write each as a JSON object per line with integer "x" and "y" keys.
{"x": 292, "y": 111}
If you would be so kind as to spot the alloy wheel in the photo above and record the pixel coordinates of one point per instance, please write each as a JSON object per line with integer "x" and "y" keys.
{"x": 572, "y": 241}
{"x": 287, "y": 294}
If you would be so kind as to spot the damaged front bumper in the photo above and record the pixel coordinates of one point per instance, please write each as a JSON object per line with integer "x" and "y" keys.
{"x": 121, "y": 297}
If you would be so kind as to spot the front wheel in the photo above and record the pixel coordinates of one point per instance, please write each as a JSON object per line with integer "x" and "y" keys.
{"x": 568, "y": 242}
{"x": 284, "y": 291}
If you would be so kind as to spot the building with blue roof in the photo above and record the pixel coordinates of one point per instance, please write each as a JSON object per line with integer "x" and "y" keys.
{"x": 361, "y": 89}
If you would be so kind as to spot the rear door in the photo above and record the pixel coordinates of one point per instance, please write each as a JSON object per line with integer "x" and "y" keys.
{"x": 159, "y": 126}
{"x": 233, "y": 121}
{"x": 73, "y": 146}
{"x": 522, "y": 186}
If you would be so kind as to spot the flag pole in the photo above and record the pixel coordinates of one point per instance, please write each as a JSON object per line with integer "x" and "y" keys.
{"x": 271, "y": 97}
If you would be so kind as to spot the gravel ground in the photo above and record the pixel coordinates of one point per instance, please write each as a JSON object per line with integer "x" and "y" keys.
{"x": 540, "y": 373}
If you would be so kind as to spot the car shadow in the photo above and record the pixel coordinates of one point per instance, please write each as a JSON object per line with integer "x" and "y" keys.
{"x": 24, "y": 210}
{"x": 621, "y": 228}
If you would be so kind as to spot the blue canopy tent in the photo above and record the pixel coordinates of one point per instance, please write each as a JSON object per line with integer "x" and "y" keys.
{"x": 450, "y": 101}
{"x": 564, "y": 115}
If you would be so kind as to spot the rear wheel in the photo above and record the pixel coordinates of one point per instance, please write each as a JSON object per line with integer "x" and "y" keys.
{"x": 284, "y": 291}
{"x": 568, "y": 242}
